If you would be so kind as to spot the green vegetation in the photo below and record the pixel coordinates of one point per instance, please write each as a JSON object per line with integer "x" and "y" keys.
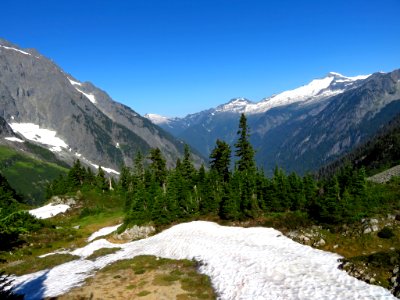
{"x": 102, "y": 252}
{"x": 34, "y": 264}
{"x": 27, "y": 175}
{"x": 13, "y": 220}
{"x": 153, "y": 193}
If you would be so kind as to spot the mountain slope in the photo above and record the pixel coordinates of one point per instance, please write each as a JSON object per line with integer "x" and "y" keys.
{"x": 43, "y": 104}
{"x": 379, "y": 153}
{"x": 28, "y": 175}
{"x": 302, "y": 129}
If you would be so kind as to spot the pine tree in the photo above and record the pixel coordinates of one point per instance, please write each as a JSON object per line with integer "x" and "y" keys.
{"x": 244, "y": 149}
{"x": 101, "y": 181}
{"x": 158, "y": 166}
{"x": 220, "y": 159}
{"x": 138, "y": 166}
{"x": 76, "y": 176}
{"x": 186, "y": 167}
{"x": 124, "y": 179}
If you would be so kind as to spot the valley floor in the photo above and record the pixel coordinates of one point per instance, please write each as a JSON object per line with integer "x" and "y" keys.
{"x": 242, "y": 263}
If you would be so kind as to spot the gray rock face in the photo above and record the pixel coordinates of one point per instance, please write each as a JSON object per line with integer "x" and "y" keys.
{"x": 5, "y": 129}
{"x": 35, "y": 90}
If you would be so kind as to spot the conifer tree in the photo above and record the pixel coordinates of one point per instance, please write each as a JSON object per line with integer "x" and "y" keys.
{"x": 138, "y": 166}
{"x": 101, "y": 181}
{"x": 158, "y": 166}
{"x": 187, "y": 169}
{"x": 220, "y": 159}
{"x": 244, "y": 149}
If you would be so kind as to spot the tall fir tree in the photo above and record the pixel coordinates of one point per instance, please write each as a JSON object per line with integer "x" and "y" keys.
{"x": 220, "y": 159}
{"x": 244, "y": 149}
{"x": 158, "y": 166}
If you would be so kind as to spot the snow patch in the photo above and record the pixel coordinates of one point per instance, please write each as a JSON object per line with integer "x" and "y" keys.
{"x": 43, "y": 136}
{"x": 108, "y": 170}
{"x": 13, "y": 139}
{"x": 49, "y": 210}
{"x": 14, "y": 49}
{"x": 243, "y": 263}
{"x": 91, "y": 97}
{"x": 102, "y": 232}
{"x": 74, "y": 82}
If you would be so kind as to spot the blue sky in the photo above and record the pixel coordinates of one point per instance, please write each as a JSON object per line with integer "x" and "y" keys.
{"x": 175, "y": 57}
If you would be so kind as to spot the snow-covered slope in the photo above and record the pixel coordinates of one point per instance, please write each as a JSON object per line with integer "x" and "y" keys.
{"x": 243, "y": 263}
{"x": 332, "y": 84}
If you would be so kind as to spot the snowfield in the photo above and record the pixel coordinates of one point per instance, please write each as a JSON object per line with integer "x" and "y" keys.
{"x": 243, "y": 263}
{"x": 49, "y": 210}
{"x": 43, "y": 136}
{"x": 102, "y": 232}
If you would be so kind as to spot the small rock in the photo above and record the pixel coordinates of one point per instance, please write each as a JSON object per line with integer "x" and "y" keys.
{"x": 373, "y": 221}
{"x": 367, "y": 230}
{"x": 396, "y": 270}
{"x": 320, "y": 243}
{"x": 77, "y": 227}
{"x": 372, "y": 280}
{"x": 375, "y": 228}
{"x": 335, "y": 246}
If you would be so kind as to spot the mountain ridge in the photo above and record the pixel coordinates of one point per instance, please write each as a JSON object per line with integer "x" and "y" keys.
{"x": 46, "y": 105}
{"x": 282, "y": 131}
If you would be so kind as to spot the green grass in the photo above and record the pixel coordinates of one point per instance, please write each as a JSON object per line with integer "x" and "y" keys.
{"x": 34, "y": 264}
{"x": 27, "y": 175}
{"x": 102, "y": 252}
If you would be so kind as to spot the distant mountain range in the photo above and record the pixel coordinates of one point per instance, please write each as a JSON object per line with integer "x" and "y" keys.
{"x": 44, "y": 105}
{"x": 301, "y": 129}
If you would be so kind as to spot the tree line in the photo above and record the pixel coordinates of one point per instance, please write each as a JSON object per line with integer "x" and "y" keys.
{"x": 232, "y": 188}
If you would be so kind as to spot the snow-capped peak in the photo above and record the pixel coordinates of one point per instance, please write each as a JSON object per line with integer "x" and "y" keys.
{"x": 235, "y": 105}
{"x": 332, "y": 84}
{"x": 339, "y": 77}
{"x": 157, "y": 119}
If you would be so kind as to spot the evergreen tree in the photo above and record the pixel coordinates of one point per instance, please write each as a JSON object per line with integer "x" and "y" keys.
{"x": 220, "y": 159}
{"x": 125, "y": 180}
{"x": 138, "y": 166}
{"x": 101, "y": 181}
{"x": 244, "y": 149}
{"x": 158, "y": 166}
{"x": 76, "y": 175}
{"x": 186, "y": 168}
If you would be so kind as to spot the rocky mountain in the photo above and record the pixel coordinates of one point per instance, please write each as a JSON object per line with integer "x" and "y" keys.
{"x": 46, "y": 106}
{"x": 301, "y": 129}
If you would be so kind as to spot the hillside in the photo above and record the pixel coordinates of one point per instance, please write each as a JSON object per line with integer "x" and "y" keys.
{"x": 43, "y": 104}
{"x": 379, "y": 153}
{"x": 29, "y": 175}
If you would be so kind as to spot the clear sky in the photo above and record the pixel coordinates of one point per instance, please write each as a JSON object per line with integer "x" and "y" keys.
{"x": 175, "y": 57}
